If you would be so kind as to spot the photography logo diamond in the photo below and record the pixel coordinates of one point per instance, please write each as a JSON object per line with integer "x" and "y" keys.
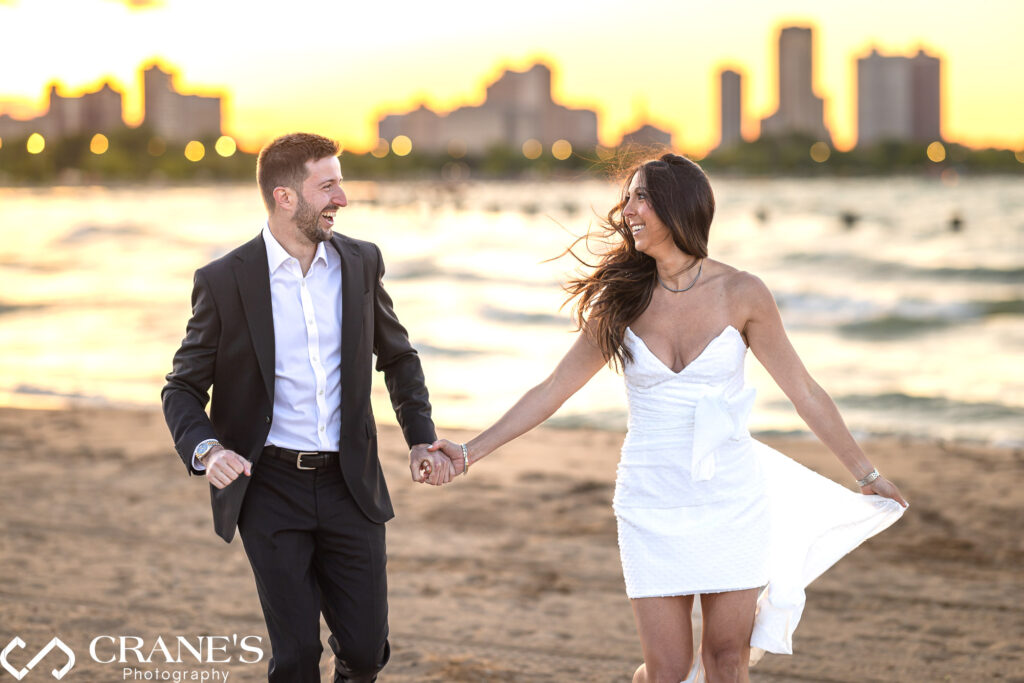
{"x": 20, "y": 644}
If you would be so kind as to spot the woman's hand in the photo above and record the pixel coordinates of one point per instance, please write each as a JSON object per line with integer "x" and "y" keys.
{"x": 453, "y": 451}
{"x": 886, "y": 489}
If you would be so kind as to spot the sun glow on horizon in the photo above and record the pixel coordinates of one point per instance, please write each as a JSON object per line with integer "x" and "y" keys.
{"x": 342, "y": 89}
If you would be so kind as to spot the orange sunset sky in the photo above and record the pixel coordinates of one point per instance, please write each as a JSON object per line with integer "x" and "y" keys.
{"x": 335, "y": 67}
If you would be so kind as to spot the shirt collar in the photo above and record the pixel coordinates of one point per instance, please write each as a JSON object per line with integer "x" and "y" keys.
{"x": 276, "y": 254}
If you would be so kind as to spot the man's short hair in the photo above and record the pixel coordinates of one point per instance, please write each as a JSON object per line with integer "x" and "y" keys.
{"x": 282, "y": 163}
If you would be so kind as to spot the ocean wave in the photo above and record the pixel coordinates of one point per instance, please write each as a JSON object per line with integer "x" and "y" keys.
{"x": 601, "y": 420}
{"x": 31, "y": 390}
{"x": 868, "y": 319}
{"x": 446, "y": 352}
{"x": 18, "y": 308}
{"x": 893, "y": 270}
{"x": 504, "y": 315}
{"x": 427, "y": 269}
{"x": 89, "y": 233}
{"x": 893, "y": 327}
{"x": 936, "y": 407}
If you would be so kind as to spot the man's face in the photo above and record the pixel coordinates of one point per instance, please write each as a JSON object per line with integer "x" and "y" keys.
{"x": 320, "y": 199}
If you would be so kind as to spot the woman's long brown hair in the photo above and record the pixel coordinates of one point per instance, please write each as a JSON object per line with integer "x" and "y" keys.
{"x": 621, "y": 285}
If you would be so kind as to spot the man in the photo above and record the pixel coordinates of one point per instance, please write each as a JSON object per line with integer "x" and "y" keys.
{"x": 283, "y": 328}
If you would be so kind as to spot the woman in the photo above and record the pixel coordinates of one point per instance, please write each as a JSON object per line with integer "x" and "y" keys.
{"x": 702, "y": 508}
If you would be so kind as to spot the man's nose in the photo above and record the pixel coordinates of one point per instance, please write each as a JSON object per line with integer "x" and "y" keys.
{"x": 339, "y": 198}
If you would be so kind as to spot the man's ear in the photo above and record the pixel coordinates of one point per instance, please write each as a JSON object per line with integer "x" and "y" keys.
{"x": 285, "y": 198}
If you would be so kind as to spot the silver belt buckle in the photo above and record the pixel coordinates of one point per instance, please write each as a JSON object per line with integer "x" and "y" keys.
{"x": 298, "y": 460}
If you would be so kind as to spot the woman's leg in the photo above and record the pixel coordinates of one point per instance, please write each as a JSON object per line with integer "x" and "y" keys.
{"x": 666, "y": 638}
{"x": 728, "y": 622}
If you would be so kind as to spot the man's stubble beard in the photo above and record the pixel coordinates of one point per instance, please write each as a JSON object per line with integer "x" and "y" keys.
{"x": 307, "y": 219}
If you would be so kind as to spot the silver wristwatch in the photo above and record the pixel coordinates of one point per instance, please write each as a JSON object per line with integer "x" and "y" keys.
{"x": 204, "y": 448}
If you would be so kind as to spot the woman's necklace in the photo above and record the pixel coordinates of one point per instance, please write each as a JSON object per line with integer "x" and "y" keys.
{"x": 687, "y": 287}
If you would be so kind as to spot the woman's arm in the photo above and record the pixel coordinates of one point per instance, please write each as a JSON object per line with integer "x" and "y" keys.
{"x": 579, "y": 364}
{"x": 767, "y": 338}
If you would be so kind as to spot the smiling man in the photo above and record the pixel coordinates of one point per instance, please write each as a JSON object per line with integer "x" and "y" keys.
{"x": 284, "y": 329}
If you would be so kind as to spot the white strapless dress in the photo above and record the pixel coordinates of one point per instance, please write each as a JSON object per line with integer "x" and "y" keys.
{"x": 703, "y": 508}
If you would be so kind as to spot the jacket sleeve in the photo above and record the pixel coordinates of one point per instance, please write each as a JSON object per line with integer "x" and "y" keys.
{"x": 186, "y": 393}
{"x": 403, "y": 373}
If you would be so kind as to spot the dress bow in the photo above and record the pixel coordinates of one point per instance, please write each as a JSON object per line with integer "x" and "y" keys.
{"x": 717, "y": 419}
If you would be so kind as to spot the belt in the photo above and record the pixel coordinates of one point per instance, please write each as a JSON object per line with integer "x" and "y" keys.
{"x": 303, "y": 460}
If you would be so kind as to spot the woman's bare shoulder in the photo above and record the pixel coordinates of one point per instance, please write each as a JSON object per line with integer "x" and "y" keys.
{"x": 741, "y": 283}
{"x": 748, "y": 295}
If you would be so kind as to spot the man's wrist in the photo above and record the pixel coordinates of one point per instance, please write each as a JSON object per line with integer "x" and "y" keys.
{"x": 204, "y": 449}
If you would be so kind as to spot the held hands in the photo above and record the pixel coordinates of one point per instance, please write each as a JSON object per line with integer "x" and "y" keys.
{"x": 454, "y": 453}
{"x": 224, "y": 466}
{"x": 429, "y": 467}
{"x": 437, "y": 463}
{"x": 886, "y": 489}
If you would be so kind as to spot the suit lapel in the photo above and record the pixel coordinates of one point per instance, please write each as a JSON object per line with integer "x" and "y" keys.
{"x": 253, "y": 277}
{"x": 352, "y": 293}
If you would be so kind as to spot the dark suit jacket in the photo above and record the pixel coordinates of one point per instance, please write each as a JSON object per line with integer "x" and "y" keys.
{"x": 229, "y": 344}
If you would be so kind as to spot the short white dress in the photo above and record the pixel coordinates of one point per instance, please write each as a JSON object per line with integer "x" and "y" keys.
{"x": 703, "y": 508}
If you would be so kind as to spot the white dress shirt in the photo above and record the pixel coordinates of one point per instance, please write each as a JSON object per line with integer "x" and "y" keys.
{"x": 307, "y": 349}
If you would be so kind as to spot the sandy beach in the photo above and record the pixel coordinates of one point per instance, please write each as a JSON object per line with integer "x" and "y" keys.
{"x": 511, "y": 574}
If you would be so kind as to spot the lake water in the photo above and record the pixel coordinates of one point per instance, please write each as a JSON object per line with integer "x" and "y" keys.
{"x": 913, "y": 327}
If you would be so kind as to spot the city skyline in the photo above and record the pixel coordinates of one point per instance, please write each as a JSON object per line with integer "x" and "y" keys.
{"x": 343, "y": 86}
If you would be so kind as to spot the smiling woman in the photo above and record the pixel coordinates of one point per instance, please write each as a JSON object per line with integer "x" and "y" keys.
{"x": 703, "y": 509}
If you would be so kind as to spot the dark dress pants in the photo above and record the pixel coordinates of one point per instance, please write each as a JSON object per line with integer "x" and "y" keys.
{"x": 313, "y": 551}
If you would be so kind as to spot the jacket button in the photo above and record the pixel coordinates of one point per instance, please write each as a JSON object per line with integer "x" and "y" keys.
{"x": 267, "y": 418}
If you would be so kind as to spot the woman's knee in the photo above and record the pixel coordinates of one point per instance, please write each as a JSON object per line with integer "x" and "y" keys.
{"x": 727, "y": 659}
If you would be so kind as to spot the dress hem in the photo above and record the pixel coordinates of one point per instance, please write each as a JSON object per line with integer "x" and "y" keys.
{"x": 697, "y": 592}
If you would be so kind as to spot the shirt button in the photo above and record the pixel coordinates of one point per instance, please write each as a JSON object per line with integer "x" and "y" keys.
{"x": 321, "y": 428}
{"x": 320, "y": 393}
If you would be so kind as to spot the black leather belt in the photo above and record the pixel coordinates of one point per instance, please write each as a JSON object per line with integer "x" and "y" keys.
{"x": 303, "y": 460}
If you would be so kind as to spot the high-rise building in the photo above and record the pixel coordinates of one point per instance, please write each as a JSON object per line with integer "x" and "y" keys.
{"x": 731, "y": 108}
{"x": 518, "y": 108}
{"x": 898, "y": 98}
{"x": 176, "y": 117}
{"x": 88, "y": 114}
{"x": 171, "y": 115}
{"x": 647, "y": 136}
{"x": 800, "y": 111}
{"x": 94, "y": 112}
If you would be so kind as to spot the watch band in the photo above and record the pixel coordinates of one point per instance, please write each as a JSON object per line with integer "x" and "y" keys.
{"x": 203, "y": 449}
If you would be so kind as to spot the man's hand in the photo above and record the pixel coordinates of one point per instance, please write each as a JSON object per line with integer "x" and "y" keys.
{"x": 452, "y": 450}
{"x": 429, "y": 468}
{"x": 224, "y": 466}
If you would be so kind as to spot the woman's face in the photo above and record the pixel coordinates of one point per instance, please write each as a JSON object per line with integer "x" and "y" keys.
{"x": 648, "y": 230}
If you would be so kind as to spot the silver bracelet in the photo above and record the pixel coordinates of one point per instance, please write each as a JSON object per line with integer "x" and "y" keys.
{"x": 868, "y": 478}
{"x": 465, "y": 459}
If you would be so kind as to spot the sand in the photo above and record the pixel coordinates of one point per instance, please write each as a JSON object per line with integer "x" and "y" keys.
{"x": 511, "y": 574}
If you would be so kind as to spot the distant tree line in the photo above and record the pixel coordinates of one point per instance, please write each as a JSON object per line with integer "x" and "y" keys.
{"x": 134, "y": 155}
{"x": 793, "y": 156}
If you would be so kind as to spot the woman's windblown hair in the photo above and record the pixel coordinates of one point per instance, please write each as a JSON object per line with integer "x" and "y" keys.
{"x": 621, "y": 285}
